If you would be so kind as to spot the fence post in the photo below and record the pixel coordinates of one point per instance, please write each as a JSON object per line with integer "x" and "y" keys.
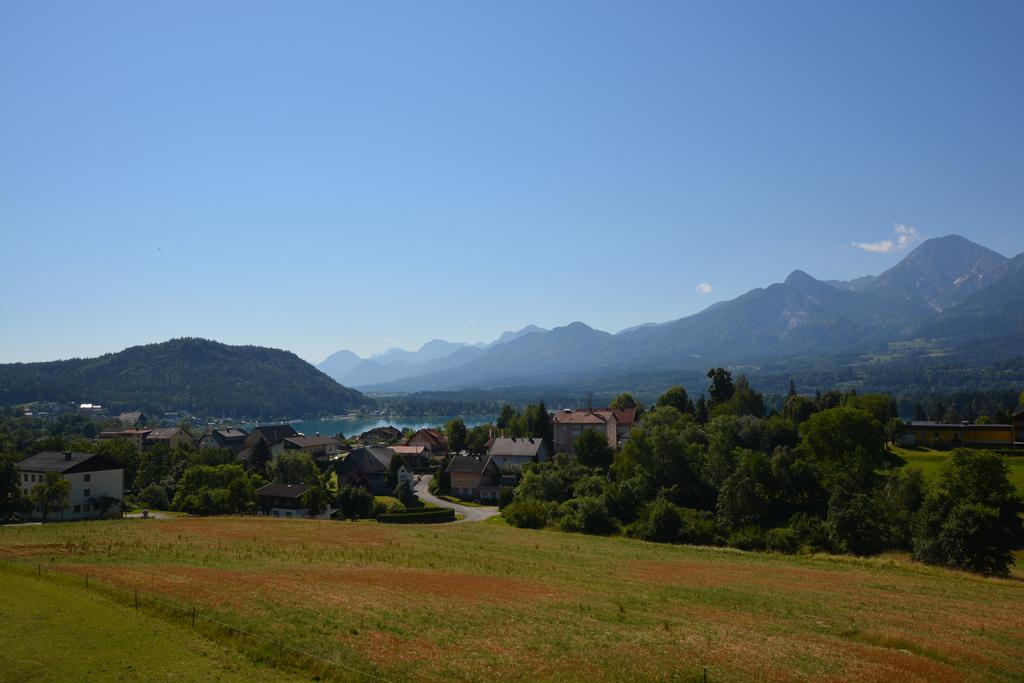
{"x": 705, "y": 673}
{"x": 193, "y": 617}
{"x": 136, "y": 598}
{"x": 39, "y": 569}
{"x": 86, "y": 580}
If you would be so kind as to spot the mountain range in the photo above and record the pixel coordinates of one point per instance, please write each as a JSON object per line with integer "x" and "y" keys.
{"x": 946, "y": 295}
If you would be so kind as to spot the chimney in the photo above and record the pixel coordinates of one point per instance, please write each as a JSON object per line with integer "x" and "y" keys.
{"x": 67, "y": 455}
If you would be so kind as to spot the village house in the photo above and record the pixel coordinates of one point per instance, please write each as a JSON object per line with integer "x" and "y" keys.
{"x": 512, "y": 452}
{"x": 172, "y": 437}
{"x": 568, "y": 424}
{"x": 137, "y": 437}
{"x": 434, "y": 441}
{"x": 230, "y": 439}
{"x": 320, "y": 448}
{"x": 89, "y": 475}
{"x": 925, "y": 433}
{"x": 134, "y": 418}
{"x": 413, "y": 456}
{"x": 473, "y": 477}
{"x": 285, "y": 500}
{"x": 368, "y": 466}
{"x": 274, "y": 435}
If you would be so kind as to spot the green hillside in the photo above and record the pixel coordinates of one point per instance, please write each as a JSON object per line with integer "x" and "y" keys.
{"x": 198, "y": 375}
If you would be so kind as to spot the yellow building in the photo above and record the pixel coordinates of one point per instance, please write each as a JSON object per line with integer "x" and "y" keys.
{"x": 963, "y": 434}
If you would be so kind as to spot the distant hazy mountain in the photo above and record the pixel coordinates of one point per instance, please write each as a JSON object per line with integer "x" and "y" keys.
{"x": 512, "y": 336}
{"x": 801, "y": 316}
{"x": 201, "y": 376}
{"x": 395, "y": 363}
{"x": 339, "y": 363}
{"x": 432, "y": 350}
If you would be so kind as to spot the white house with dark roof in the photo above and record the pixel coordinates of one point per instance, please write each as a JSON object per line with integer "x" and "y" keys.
{"x": 512, "y": 452}
{"x": 90, "y": 476}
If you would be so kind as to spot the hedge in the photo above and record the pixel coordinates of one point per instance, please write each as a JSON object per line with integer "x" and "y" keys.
{"x": 418, "y": 516}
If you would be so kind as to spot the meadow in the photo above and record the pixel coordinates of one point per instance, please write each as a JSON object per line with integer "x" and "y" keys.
{"x": 484, "y": 600}
{"x": 930, "y": 460}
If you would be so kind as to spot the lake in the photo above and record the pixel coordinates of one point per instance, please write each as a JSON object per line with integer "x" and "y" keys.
{"x": 354, "y": 427}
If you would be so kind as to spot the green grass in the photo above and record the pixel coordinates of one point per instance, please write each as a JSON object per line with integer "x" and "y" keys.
{"x": 53, "y": 631}
{"x": 461, "y": 601}
{"x": 467, "y": 503}
{"x": 930, "y": 461}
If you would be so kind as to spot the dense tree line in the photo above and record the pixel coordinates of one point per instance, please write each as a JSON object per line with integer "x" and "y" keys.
{"x": 817, "y": 475}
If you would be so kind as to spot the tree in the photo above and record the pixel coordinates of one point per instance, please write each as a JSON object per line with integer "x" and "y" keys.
{"x": 52, "y": 494}
{"x": 317, "y": 498}
{"x": 12, "y": 501}
{"x": 508, "y": 414}
{"x": 846, "y": 444}
{"x": 591, "y": 449}
{"x": 677, "y": 398}
{"x": 700, "y": 410}
{"x": 477, "y": 440}
{"x": 792, "y": 390}
{"x": 293, "y": 467}
{"x": 855, "y": 522}
{"x": 721, "y": 388}
{"x": 355, "y": 502}
{"x": 455, "y": 430}
{"x": 919, "y": 413}
{"x": 215, "y": 490}
{"x": 259, "y": 456}
{"x": 391, "y": 478}
{"x": 404, "y": 493}
{"x": 626, "y": 401}
{"x": 970, "y": 518}
{"x": 104, "y": 503}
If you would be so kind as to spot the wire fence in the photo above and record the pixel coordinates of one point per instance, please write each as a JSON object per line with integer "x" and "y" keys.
{"x": 272, "y": 650}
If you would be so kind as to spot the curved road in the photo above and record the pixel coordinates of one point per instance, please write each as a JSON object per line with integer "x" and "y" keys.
{"x": 469, "y": 514}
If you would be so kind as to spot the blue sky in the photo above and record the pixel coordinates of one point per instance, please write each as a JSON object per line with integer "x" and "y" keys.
{"x": 316, "y": 176}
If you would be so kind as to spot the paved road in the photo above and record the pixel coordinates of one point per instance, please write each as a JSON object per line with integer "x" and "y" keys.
{"x": 470, "y": 514}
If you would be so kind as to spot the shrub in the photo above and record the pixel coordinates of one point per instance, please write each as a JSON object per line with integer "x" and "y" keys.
{"x": 854, "y": 523}
{"x": 660, "y": 521}
{"x": 154, "y": 497}
{"x": 783, "y": 540}
{"x": 505, "y": 498}
{"x": 811, "y": 532}
{"x": 355, "y": 502}
{"x": 699, "y": 528}
{"x": 588, "y": 515}
{"x": 528, "y": 513}
{"x": 747, "y": 538}
{"x": 418, "y": 516}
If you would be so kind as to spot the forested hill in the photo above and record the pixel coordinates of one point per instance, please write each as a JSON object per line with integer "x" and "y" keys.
{"x": 201, "y": 376}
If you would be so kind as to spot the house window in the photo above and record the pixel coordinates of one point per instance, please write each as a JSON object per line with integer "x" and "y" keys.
{"x": 24, "y": 476}
{"x": 85, "y": 493}
{"x": 88, "y": 477}
{"x": 78, "y": 508}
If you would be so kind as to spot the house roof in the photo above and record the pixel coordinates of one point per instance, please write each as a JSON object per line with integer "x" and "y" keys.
{"x": 130, "y": 417}
{"x": 469, "y": 464}
{"x": 409, "y": 450}
{"x": 273, "y": 434}
{"x": 581, "y": 417}
{"x": 164, "y": 433}
{"x": 528, "y": 447}
{"x": 940, "y": 425}
{"x": 68, "y": 462}
{"x": 311, "y": 441}
{"x": 368, "y": 460}
{"x": 230, "y": 434}
{"x": 283, "y": 490}
{"x": 435, "y": 438}
{"x": 625, "y": 416}
{"x": 1018, "y": 411}
{"x": 123, "y": 433}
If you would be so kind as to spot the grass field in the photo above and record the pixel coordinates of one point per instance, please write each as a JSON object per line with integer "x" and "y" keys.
{"x": 472, "y": 601}
{"x": 48, "y": 628}
{"x": 930, "y": 461}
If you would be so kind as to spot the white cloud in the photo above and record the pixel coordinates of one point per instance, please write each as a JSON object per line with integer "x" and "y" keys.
{"x": 905, "y": 236}
{"x": 705, "y": 288}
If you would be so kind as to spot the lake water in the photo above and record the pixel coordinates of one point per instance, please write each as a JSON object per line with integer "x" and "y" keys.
{"x": 355, "y": 427}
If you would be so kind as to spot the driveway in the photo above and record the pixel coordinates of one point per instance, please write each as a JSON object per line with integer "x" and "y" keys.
{"x": 470, "y": 514}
